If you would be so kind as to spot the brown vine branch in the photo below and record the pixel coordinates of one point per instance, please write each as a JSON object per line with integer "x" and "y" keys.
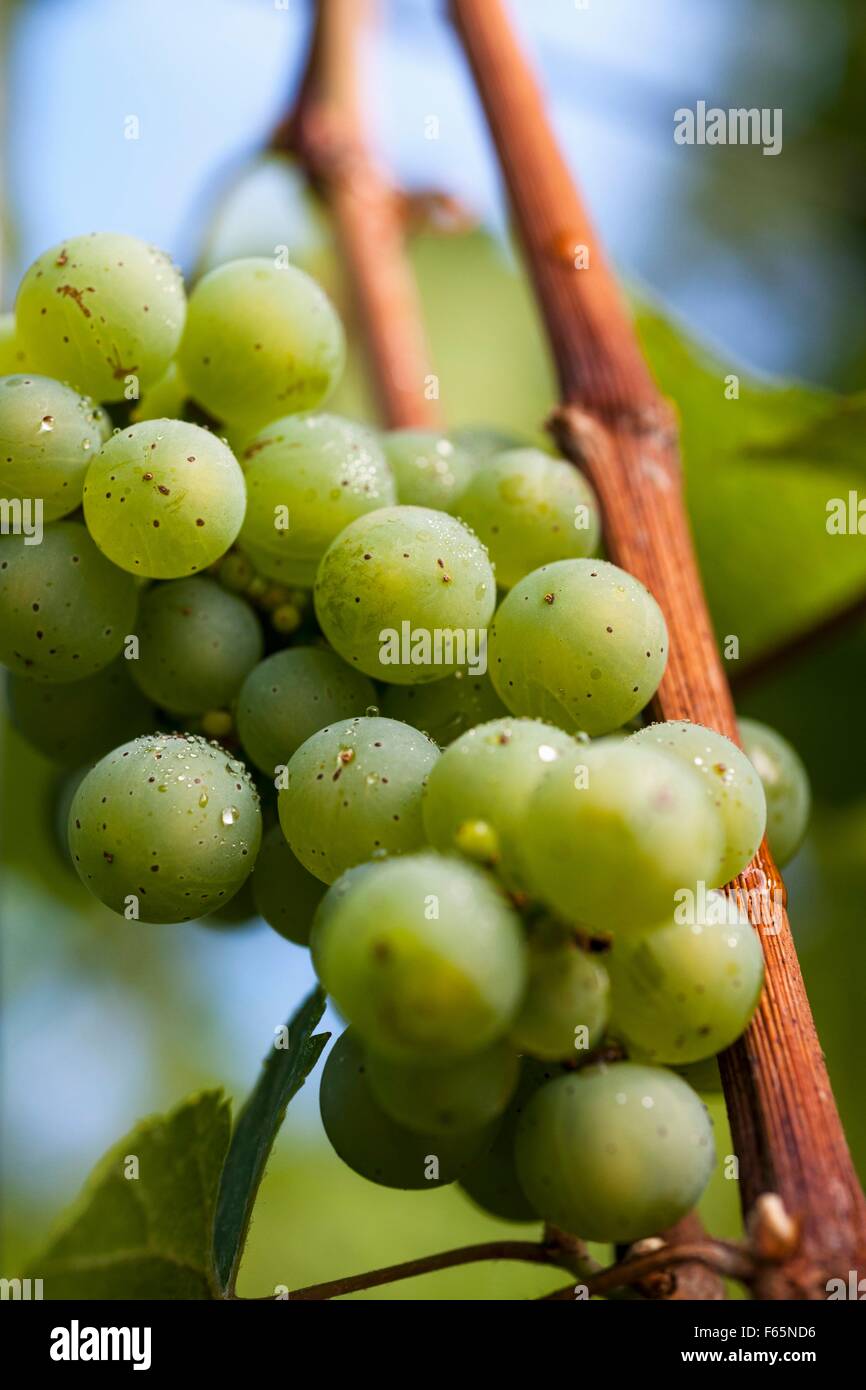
{"x": 719, "y": 1257}
{"x": 325, "y": 132}
{"x": 613, "y": 423}
{"x": 802, "y": 644}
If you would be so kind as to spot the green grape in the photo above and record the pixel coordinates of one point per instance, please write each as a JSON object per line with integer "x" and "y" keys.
{"x": 98, "y": 310}
{"x": 684, "y": 990}
{"x": 491, "y": 1179}
{"x": 308, "y": 477}
{"x": 48, "y": 435}
{"x": 239, "y": 911}
{"x": 197, "y": 644}
{"x": 423, "y": 955}
{"x": 610, "y": 838}
{"x": 236, "y": 572}
{"x": 261, "y": 341}
{"x": 489, "y": 776}
{"x": 164, "y": 499}
{"x": 289, "y": 696}
{"x": 786, "y": 787}
{"x": 353, "y": 792}
{"x": 165, "y": 400}
{"x": 529, "y": 510}
{"x": 64, "y": 609}
{"x": 281, "y": 568}
{"x": 165, "y": 828}
{"x": 449, "y": 1098}
{"x": 731, "y": 783}
{"x": 580, "y": 643}
{"x": 13, "y": 357}
{"x": 429, "y": 471}
{"x": 566, "y": 1002}
{"x": 615, "y": 1153}
{"x": 77, "y": 721}
{"x": 405, "y": 594}
{"x": 444, "y": 709}
{"x": 481, "y": 442}
{"x": 283, "y": 892}
{"x": 372, "y": 1144}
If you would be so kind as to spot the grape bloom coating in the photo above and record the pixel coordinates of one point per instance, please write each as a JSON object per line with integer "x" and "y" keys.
{"x": 165, "y": 828}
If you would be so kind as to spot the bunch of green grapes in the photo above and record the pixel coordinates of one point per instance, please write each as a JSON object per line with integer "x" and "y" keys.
{"x": 786, "y": 787}
{"x": 429, "y": 470}
{"x": 164, "y": 499}
{"x": 262, "y": 340}
{"x": 48, "y": 435}
{"x": 307, "y": 477}
{"x": 579, "y": 643}
{"x": 405, "y": 594}
{"x": 529, "y": 510}
{"x": 102, "y": 312}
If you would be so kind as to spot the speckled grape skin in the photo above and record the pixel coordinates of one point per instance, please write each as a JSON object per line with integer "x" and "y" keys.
{"x": 353, "y": 791}
{"x": 429, "y": 470}
{"x": 164, "y": 499}
{"x": 568, "y": 989}
{"x": 489, "y": 775}
{"x": 77, "y": 721}
{"x": 731, "y": 784}
{"x": 170, "y": 820}
{"x": 580, "y": 643}
{"x": 317, "y": 471}
{"x": 64, "y": 609}
{"x": 609, "y": 838}
{"x": 403, "y": 565}
{"x": 196, "y": 645}
{"x": 525, "y": 506}
{"x": 444, "y": 709}
{"x": 97, "y": 309}
{"x": 447, "y": 1099}
{"x": 682, "y": 991}
{"x": 289, "y": 696}
{"x": 261, "y": 342}
{"x": 423, "y": 955}
{"x": 615, "y": 1153}
{"x": 786, "y": 787}
{"x": 48, "y": 435}
{"x": 372, "y": 1144}
{"x": 285, "y": 895}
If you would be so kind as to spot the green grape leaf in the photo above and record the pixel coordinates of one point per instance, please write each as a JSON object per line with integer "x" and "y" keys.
{"x": 284, "y": 1071}
{"x": 143, "y": 1225}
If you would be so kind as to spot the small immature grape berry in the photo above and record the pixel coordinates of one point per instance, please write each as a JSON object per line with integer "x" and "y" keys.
{"x": 217, "y": 723}
{"x": 477, "y": 840}
{"x": 286, "y": 619}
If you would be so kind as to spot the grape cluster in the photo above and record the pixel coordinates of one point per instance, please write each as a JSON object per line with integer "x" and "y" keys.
{"x": 385, "y": 682}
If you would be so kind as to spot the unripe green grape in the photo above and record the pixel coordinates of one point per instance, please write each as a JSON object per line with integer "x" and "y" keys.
{"x": 64, "y": 609}
{"x": 261, "y": 341}
{"x": 165, "y": 828}
{"x": 611, "y": 836}
{"x": 13, "y": 357}
{"x": 429, "y": 470}
{"x": 48, "y": 435}
{"x": 307, "y": 477}
{"x": 731, "y": 784}
{"x": 164, "y": 400}
{"x": 404, "y": 593}
{"x": 444, "y": 709}
{"x": 281, "y": 568}
{"x": 489, "y": 775}
{"x": 164, "y": 499}
{"x": 786, "y": 787}
{"x": 615, "y": 1153}
{"x": 353, "y": 792}
{"x": 491, "y": 1179}
{"x": 289, "y": 696}
{"x": 449, "y": 1098}
{"x": 370, "y": 1142}
{"x": 423, "y": 955}
{"x": 77, "y": 721}
{"x": 580, "y": 643}
{"x": 481, "y": 442}
{"x": 684, "y": 990}
{"x": 566, "y": 1002}
{"x": 236, "y": 572}
{"x": 99, "y": 309}
{"x": 529, "y": 510}
{"x": 285, "y": 895}
{"x": 196, "y": 645}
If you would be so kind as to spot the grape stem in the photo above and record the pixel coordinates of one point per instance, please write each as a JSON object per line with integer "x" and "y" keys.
{"x": 325, "y": 132}
{"x": 613, "y": 423}
{"x": 721, "y": 1257}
